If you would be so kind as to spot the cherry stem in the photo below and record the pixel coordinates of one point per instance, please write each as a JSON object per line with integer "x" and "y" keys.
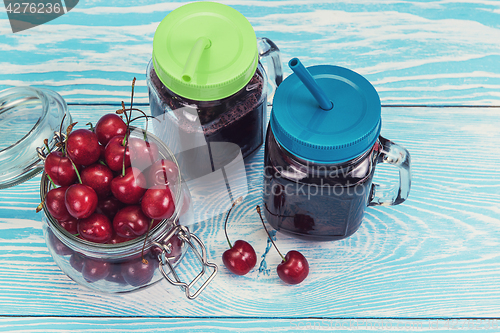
{"x": 53, "y": 184}
{"x": 91, "y": 126}
{"x": 225, "y": 225}
{"x": 267, "y": 208}
{"x": 144, "y": 261}
{"x": 125, "y": 144}
{"x": 132, "y": 97}
{"x": 76, "y": 170}
{"x": 264, "y": 225}
{"x": 125, "y": 113}
{"x": 60, "y": 131}
{"x": 143, "y": 115}
{"x": 128, "y": 117}
{"x": 46, "y": 143}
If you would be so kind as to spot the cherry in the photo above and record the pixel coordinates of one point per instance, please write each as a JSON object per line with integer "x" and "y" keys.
{"x": 77, "y": 261}
{"x": 114, "y": 152}
{"x": 116, "y": 239}
{"x": 163, "y": 172}
{"x": 303, "y": 222}
{"x": 130, "y": 222}
{"x": 142, "y": 153}
{"x": 175, "y": 249}
{"x": 96, "y": 228}
{"x": 98, "y": 177}
{"x": 54, "y": 200}
{"x": 102, "y": 154}
{"x": 70, "y": 226}
{"x": 240, "y": 258}
{"x": 83, "y": 147}
{"x": 108, "y": 126}
{"x": 138, "y": 272}
{"x": 157, "y": 202}
{"x": 115, "y": 274}
{"x": 129, "y": 188}
{"x": 80, "y": 200}
{"x": 109, "y": 207}
{"x": 58, "y": 246}
{"x": 294, "y": 267}
{"x": 95, "y": 270}
{"x": 60, "y": 169}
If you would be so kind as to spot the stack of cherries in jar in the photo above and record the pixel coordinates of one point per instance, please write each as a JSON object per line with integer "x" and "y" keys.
{"x": 112, "y": 187}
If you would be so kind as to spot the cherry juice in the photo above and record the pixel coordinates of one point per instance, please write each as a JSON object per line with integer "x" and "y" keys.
{"x": 312, "y": 200}
{"x": 238, "y": 119}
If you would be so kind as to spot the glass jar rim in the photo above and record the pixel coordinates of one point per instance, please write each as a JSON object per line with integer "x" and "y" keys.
{"x": 47, "y": 104}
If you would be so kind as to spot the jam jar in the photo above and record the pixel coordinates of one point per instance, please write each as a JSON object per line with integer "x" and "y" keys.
{"x": 322, "y": 146}
{"x": 39, "y": 114}
{"x": 137, "y": 263}
{"x": 207, "y": 86}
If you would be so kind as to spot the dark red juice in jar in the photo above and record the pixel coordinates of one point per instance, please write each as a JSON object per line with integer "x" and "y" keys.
{"x": 207, "y": 87}
{"x": 238, "y": 119}
{"x": 322, "y": 146}
{"x": 317, "y": 201}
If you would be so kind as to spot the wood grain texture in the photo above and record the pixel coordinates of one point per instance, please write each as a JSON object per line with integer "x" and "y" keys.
{"x": 435, "y": 256}
{"x": 179, "y": 325}
{"x": 414, "y": 52}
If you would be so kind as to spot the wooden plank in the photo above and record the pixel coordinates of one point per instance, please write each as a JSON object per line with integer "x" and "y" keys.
{"x": 149, "y": 324}
{"x": 435, "y": 256}
{"x": 414, "y": 52}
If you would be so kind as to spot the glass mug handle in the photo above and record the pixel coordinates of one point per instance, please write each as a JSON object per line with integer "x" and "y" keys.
{"x": 400, "y": 157}
{"x": 267, "y": 48}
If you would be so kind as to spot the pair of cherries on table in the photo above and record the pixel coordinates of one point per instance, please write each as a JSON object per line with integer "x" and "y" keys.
{"x": 241, "y": 258}
{"x": 103, "y": 196}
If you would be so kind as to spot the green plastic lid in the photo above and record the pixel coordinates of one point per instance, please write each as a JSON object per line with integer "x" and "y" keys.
{"x": 205, "y": 51}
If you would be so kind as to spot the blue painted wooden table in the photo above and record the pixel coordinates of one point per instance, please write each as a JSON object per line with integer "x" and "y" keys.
{"x": 430, "y": 264}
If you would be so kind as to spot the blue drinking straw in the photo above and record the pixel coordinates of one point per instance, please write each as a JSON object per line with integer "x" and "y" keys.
{"x": 310, "y": 83}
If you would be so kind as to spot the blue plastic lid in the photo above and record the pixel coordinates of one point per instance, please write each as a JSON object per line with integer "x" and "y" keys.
{"x": 346, "y": 131}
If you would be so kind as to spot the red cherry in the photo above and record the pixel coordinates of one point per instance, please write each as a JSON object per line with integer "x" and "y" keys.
{"x": 77, "y": 261}
{"x": 157, "y": 202}
{"x": 80, "y": 200}
{"x": 55, "y": 204}
{"x": 58, "y": 246}
{"x": 109, "y": 207}
{"x": 142, "y": 154}
{"x": 95, "y": 270}
{"x": 303, "y": 222}
{"x": 241, "y": 258}
{"x": 163, "y": 172}
{"x": 175, "y": 249}
{"x": 96, "y": 228}
{"x": 137, "y": 273}
{"x": 130, "y": 222}
{"x": 102, "y": 154}
{"x": 114, "y": 152}
{"x": 98, "y": 177}
{"x": 116, "y": 239}
{"x": 130, "y": 188}
{"x": 294, "y": 269}
{"x": 83, "y": 147}
{"x": 115, "y": 274}
{"x": 59, "y": 168}
{"x": 108, "y": 126}
{"x": 70, "y": 226}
